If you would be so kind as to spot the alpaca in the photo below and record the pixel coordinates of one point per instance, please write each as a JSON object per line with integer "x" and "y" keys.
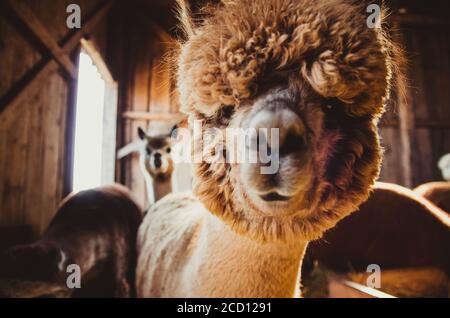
{"x": 436, "y": 192}
{"x": 156, "y": 164}
{"x": 94, "y": 229}
{"x": 395, "y": 229}
{"x": 311, "y": 71}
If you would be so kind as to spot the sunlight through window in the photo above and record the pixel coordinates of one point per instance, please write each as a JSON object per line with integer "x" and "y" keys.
{"x": 87, "y": 172}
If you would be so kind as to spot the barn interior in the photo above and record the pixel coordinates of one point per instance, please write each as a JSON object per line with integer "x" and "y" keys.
{"x": 72, "y": 99}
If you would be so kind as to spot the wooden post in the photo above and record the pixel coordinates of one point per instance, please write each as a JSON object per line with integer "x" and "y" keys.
{"x": 407, "y": 131}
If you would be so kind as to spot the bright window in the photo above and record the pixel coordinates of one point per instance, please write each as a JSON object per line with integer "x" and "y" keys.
{"x": 87, "y": 170}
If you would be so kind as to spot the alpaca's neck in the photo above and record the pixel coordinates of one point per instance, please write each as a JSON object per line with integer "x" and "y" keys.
{"x": 156, "y": 189}
{"x": 162, "y": 188}
{"x": 236, "y": 266}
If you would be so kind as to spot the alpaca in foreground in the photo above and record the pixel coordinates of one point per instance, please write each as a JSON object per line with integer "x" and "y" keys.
{"x": 317, "y": 73}
{"x": 94, "y": 229}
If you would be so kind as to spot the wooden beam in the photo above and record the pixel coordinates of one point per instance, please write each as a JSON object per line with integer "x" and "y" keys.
{"x": 419, "y": 19}
{"x": 152, "y": 116}
{"x": 28, "y": 18}
{"x": 341, "y": 288}
{"x": 431, "y": 124}
{"x": 88, "y": 26}
{"x": 8, "y": 110}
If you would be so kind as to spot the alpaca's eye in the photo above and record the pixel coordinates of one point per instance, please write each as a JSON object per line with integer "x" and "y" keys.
{"x": 226, "y": 112}
{"x": 168, "y": 150}
{"x": 332, "y": 105}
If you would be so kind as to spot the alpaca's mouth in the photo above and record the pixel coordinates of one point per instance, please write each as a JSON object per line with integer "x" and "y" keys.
{"x": 274, "y": 196}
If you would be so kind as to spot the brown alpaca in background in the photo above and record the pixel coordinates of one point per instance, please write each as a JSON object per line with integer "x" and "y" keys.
{"x": 436, "y": 192}
{"x": 406, "y": 235}
{"x": 94, "y": 229}
{"x": 315, "y": 71}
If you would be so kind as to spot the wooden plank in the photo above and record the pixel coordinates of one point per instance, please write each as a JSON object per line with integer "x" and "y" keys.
{"x": 419, "y": 124}
{"x": 134, "y": 115}
{"x": 109, "y": 133}
{"x": 420, "y": 20}
{"x": 390, "y": 170}
{"x": 35, "y": 26}
{"x": 17, "y": 60}
{"x": 406, "y": 119}
{"x": 3, "y": 156}
{"x": 407, "y": 130}
{"x": 69, "y": 140}
{"x": 53, "y": 133}
{"x": 423, "y": 167}
{"x": 8, "y": 111}
{"x": 34, "y": 180}
{"x": 142, "y": 79}
{"x": 15, "y": 168}
{"x": 341, "y": 288}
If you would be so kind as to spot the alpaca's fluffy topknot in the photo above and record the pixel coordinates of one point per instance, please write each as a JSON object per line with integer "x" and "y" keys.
{"x": 321, "y": 50}
{"x": 242, "y": 44}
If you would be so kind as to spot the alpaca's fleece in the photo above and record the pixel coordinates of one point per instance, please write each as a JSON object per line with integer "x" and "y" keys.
{"x": 323, "y": 53}
{"x": 436, "y": 192}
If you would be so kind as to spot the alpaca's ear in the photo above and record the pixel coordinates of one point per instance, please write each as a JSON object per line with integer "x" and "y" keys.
{"x": 141, "y": 133}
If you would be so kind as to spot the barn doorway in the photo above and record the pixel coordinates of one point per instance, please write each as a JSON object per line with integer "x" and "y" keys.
{"x": 95, "y": 122}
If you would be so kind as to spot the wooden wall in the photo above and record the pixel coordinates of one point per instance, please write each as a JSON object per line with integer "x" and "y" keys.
{"x": 426, "y": 40}
{"x": 33, "y": 140}
{"x": 140, "y": 60}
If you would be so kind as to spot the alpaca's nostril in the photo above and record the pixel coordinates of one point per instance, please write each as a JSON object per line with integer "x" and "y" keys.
{"x": 292, "y": 143}
{"x": 280, "y": 129}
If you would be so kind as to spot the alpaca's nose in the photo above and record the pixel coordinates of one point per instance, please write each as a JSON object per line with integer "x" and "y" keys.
{"x": 158, "y": 161}
{"x": 281, "y": 128}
